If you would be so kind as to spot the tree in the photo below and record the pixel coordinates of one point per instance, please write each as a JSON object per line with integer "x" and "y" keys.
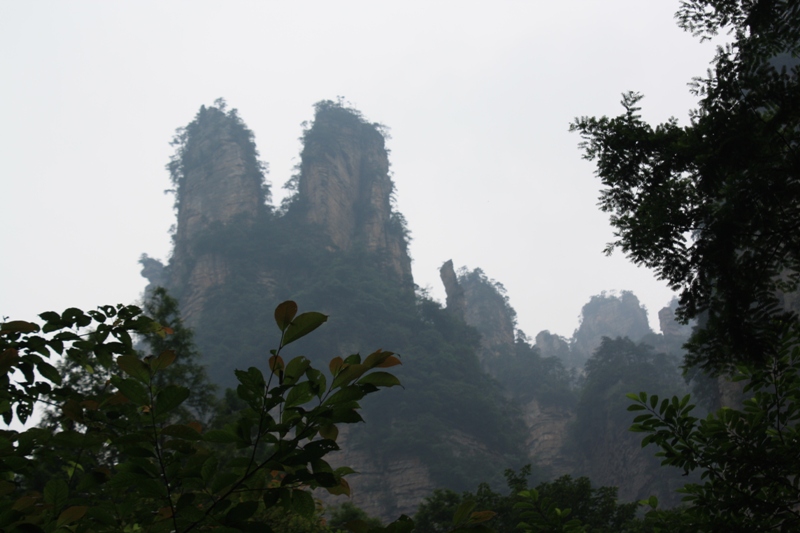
{"x": 170, "y": 475}
{"x": 186, "y": 370}
{"x": 541, "y": 509}
{"x": 750, "y": 469}
{"x": 82, "y": 378}
{"x": 714, "y": 207}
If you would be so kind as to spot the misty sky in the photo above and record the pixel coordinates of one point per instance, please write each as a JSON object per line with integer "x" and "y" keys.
{"x": 478, "y": 97}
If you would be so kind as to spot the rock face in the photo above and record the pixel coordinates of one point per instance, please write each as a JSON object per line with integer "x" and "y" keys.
{"x": 609, "y": 316}
{"x": 548, "y": 431}
{"x": 228, "y": 253}
{"x": 384, "y": 487}
{"x": 220, "y": 177}
{"x": 669, "y": 326}
{"x": 551, "y": 345}
{"x": 455, "y": 302}
{"x": 618, "y": 460}
{"x": 344, "y": 188}
{"x": 486, "y": 308}
{"x": 219, "y": 180}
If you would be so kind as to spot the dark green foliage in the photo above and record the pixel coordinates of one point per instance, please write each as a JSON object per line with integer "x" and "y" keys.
{"x": 594, "y": 508}
{"x": 601, "y": 424}
{"x": 618, "y": 366}
{"x": 747, "y": 457}
{"x": 127, "y": 460}
{"x": 518, "y": 367}
{"x": 347, "y": 512}
{"x": 713, "y": 207}
{"x": 186, "y": 370}
{"x": 527, "y": 376}
{"x": 83, "y": 378}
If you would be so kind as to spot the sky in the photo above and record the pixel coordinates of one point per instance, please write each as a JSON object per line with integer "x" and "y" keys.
{"x": 478, "y": 97}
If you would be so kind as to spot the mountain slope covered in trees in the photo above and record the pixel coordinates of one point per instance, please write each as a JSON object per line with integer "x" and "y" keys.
{"x": 479, "y": 397}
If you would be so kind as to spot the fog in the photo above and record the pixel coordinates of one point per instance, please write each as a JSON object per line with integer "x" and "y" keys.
{"x": 477, "y": 96}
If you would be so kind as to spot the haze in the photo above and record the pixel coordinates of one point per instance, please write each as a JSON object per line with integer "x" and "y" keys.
{"x": 478, "y": 97}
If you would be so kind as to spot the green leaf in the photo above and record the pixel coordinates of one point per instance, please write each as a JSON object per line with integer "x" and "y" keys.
{"x": 302, "y": 503}
{"x": 19, "y": 326}
{"x": 224, "y": 480}
{"x": 295, "y": 369}
{"x": 181, "y": 431}
{"x": 299, "y": 394}
{"x": 302, "y": 325}
{"x": 348, "y": 374}
{"x": 402, "y": 525}
{"x": 463, "y": 511}
{"x": 345, "y": 415}
{"x": 319, "y": 383}
{"x": 380, "y": 379}
{"x": 209, "y": 468}
{"x": 220, "y": 435}
{"x": 345, "y": 394}
{"x": 284, "y": 314}
{"x": 50, "y": 316}
{"x": 329, "y": 432}
{"x": 132, "y": 390}
{"x": 134, "y": 367}
{"x": 242, "y": 512}
{"x": 253, "y": 379}
{"x": 170, "y": 398}
{"x": 49, "y": 372}
{"x": 353, "y": 359}
{"x": 56, "y": 493}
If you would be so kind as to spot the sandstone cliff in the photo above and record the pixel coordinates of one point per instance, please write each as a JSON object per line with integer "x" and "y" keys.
{"x": 219, "y": 181}
{"x": 384, "y": 487}
{"x": 456, "y": 302}
{"x": 485, "y": 308}
{"x": 609, "y": 316}
{"x": 344, "y": 188}
{"x": 337, "y": 246}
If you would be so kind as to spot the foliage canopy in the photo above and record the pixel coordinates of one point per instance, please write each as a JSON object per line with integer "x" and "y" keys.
{"x": 128, "y": 464}
{"x": 713, "y": 207}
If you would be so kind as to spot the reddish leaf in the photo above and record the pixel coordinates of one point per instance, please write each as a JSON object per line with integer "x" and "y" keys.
{"x": 481, "y": 516}
{"x": 166, "y": 358}
{"x": 276, "y": 363}
{"x": 284, "y": 314}
{"x": 71, "y": 514}
{"x": 389, "y": 362}
{"x": 335, "y": 365}
{"x": 342, "y": 488}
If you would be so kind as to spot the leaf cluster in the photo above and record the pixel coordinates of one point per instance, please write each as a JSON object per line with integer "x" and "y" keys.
{"x": 747, "y": 458}
{"x": 713, "y": 207}
{"x": 128, "y": 464}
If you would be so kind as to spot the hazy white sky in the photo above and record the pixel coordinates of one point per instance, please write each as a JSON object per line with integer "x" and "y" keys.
{"x": 478, "y": 97}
